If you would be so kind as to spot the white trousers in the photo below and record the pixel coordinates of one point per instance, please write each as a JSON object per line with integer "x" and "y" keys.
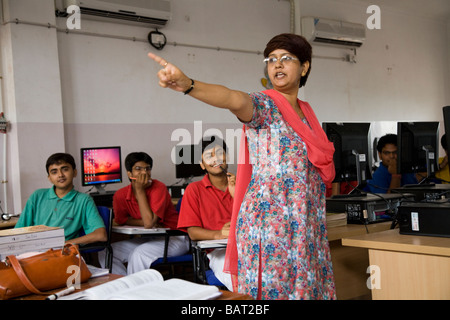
{"x": 140, "y": 253}
{"x": 216, "y": 263}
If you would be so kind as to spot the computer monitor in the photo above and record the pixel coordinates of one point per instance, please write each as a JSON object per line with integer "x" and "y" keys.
{"x": 187, "y": 162}
{"x": 418, "y": 147}
{"x": 446, "y": 111}
{"x": 351, "y": 143}
{"x": 101, "y": 166}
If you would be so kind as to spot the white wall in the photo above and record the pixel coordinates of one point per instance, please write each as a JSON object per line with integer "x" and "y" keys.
{"x": 399, "y": 70}
{"x": 32, "y": 96}
{"x": 110, "y": 85}
{"x": 103, "y": 91}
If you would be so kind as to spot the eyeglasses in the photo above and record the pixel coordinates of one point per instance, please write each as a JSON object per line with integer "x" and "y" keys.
{"x": 218, "y": 153}
{"x": 388, "y": 153}
{"x": 146, "y": 169}
{"x": 283, "y": 60}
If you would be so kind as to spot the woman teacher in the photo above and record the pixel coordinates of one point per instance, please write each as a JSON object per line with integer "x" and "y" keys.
{"x": 278, "y": 246}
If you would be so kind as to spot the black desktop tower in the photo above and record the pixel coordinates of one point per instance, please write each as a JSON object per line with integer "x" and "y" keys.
{"x": 176, "y": 191}
{"x": 371, "y": 208}
{"x": 427, "y": 193}
{"x": 427, "y": 219}
{"x": 103, "y": 199}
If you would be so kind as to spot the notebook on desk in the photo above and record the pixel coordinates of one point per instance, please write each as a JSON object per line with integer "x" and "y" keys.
{"x": 138, "y": 230}
{"x": 205, "y": 244}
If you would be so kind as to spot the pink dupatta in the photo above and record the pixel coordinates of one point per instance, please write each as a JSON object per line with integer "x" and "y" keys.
{"x": 320, "y": 152}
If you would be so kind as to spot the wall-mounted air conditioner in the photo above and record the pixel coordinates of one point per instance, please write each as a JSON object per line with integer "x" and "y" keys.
{"x": 327, "y": 31}
{"x": 153, "y": 12}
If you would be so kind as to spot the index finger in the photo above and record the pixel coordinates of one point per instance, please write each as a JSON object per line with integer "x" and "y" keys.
{"x": 157, "y": 59}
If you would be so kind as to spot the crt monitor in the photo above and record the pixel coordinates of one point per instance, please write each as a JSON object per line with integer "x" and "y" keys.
{"x": 351, "y": 144}
{"x": 187, "y": 162}
{"x": 418, "y": 147}
{"x": 101, "y": 166}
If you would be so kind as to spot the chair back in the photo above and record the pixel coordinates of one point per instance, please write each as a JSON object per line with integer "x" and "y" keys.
{"x": 178, "y": 206}
{"x": 106, "y": 215}
{"x": 184, "y": 259}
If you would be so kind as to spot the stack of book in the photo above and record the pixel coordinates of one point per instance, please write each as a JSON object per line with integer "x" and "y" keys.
{"x": 336, "y": 219}
{"x": 30, "y": 239}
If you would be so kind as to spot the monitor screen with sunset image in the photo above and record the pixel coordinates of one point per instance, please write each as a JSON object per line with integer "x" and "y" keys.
{"x": 101, "y": 166}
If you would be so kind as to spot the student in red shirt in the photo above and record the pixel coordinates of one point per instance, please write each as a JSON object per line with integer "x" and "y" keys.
{"x": 206, "y": 207}
{"x": 144, "y": 202}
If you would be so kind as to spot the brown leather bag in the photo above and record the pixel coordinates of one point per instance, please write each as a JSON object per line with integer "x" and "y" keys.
{"x": 41, "y": 272}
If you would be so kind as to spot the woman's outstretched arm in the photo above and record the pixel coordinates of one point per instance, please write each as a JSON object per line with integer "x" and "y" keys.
{"x": 219, "y": 96}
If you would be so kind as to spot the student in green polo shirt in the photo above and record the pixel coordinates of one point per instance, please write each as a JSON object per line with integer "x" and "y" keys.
{"x": 63, "y": 206}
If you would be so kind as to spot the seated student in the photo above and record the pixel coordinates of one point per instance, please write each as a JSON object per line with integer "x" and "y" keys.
{"x": 144, "y": 202}
{"x": 385, "y": 178}
{"x": 206, "y": 207}
{"x": 63, "y": 206}
{"x": 443, "y": 174}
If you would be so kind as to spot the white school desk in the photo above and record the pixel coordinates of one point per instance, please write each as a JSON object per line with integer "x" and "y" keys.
{"x": 411, "y": 267}
{"x": 135, "y": 230}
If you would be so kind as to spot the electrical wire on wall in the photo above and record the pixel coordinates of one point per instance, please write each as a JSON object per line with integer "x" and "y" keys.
{"x": 159, "y": 42}
{"x": 4, "y": 130}
{"x": 157, "y": 39}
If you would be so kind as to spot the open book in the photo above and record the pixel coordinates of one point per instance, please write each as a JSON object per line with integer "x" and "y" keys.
{"x": 146, "y": 285}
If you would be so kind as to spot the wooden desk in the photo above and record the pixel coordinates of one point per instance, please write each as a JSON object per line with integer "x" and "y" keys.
{"x": 349, "y": 263}
{"x": 8, "y": 223}
{"x": 92, "y": 282}
{"x": 226, "y": 295}
{"x": 410, "y": 267}
{"x": 349, "y": 230}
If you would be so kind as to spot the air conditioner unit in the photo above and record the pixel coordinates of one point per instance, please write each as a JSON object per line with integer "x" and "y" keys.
{"x": 327, "y": 31}
{"x": 153, "y": 12}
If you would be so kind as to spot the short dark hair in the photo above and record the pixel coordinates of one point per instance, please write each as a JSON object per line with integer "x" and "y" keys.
{"x": 58, "y": 158}
{"x": 134, "y": 157}
{"x": 444, "y": 142}
{"x": 389, "y": 138}
{"x": 212, "y": 141}
{"x": 295, "y": 44}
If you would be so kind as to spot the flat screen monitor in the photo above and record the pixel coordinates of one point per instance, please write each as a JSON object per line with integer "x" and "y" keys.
{"x": 101, "y": 166}
{"x": 446, "y": 111}
{"x": 351, "y": 143}
{"x": 187, "y": 162}
{"x": 418, "y": 147}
